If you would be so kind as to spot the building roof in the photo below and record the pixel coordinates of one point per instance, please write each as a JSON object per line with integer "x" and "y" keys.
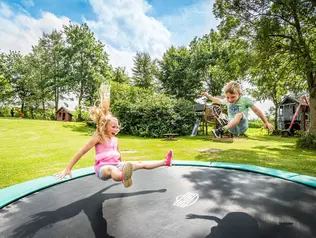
{"x": 71, "y": 112}
{"x": 286, "y": 98}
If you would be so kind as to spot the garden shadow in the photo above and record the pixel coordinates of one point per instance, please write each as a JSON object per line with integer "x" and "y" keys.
{"x": 91, "y": 206}
{"x": 271, "y": 202}
{"x": 242, "y": 225}
{"x": 82, "y": 128}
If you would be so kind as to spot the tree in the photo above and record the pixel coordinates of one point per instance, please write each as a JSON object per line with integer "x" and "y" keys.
{"x": 49, "y": 60}
{"x": 272, "y": 80}
{"x": 41, "y": 65}
{"x": 17, "y": 72}
{"x": 5, "y": 86}
{"x": 175, "y": 74}
{"x": 204, "y": 54}
{"x": 87, "y": 62}
{"x": 284, "y": 29}
{"x": 143, "y": 71}
{"x": 216, "y": 60}
{"x": 120, "y": 75}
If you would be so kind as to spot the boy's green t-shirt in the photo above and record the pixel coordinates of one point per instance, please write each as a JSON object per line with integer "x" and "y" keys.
{"x": 242, "y": 105}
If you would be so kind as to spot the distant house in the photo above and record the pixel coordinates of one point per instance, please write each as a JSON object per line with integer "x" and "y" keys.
{"x": 64, "y": 114}
{"x": 287, "y": 110}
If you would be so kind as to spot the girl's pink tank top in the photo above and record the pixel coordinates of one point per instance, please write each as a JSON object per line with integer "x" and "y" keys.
{"x": 106, "y": 154}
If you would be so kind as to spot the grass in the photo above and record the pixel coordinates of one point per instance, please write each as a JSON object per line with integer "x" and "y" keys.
{"x": 33, "y": 148}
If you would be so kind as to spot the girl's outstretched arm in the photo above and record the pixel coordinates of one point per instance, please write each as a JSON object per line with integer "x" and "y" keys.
{"x": 67, "y": 171}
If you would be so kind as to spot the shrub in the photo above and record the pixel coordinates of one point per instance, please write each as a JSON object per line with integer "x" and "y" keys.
{"x": 147, "y": 114}
{"x": 5, "y": 111}
{"x": 306, "y": 140}
{"x": 255, "y": 124}
{"x": 84, "y": 115}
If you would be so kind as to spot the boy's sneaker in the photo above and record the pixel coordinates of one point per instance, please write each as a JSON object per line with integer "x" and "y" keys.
{"x": 218, "y": 133}
{"x": 169, "y": 158}
{"x": 127, "y": 172}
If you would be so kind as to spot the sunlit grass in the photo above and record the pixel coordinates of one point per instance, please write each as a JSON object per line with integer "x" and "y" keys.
{"x": 34, "y": 148}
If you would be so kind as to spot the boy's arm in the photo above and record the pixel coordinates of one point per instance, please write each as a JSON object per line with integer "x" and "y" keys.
{"x": 214, "y": 99}
{"x": 94, "y": 140}
{"x": 258, "y": 112}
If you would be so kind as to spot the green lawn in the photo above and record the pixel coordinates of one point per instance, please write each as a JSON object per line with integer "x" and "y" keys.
{"x": 32, "y": 148}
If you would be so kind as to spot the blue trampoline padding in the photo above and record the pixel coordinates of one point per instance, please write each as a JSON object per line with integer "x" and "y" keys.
{"x": 307, "y": 180}
{"x": 15, "y": 192}
{"x": 257, "y": 169}
{"x": 294, "y": 177}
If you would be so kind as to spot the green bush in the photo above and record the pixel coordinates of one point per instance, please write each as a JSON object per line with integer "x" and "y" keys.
{"x": 84, "y": 115}
{"x": 147, "y": 114}
{"x": 39, "y": 114}
{"x": 306, "y": 140}
{"x": 5, "y": 111}
{"x": 255, "y": 124}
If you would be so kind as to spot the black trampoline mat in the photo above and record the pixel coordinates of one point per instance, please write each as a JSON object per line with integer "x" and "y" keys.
{"x": 167, "y": 202}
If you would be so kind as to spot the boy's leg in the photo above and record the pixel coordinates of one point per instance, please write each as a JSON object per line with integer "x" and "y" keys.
{"x": 235, "y": 121}
{"x": 241, "y": 127}
{"x": 231, "y": 124}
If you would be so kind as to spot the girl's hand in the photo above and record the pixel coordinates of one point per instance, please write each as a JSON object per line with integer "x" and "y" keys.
{"x": 204, "y": 94}
{"x": 63, "y": 173}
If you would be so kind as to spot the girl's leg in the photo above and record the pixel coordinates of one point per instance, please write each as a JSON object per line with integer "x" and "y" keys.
{"x": 123, "y": 175}
{"x": 154, "y": 164}
{"x": 110, "y": 171}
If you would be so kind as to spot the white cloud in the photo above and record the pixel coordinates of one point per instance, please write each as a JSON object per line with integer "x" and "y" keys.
{"x": 5, "y": 10}
{"x": 19, "y": 31}
{"x": 125, "y": 27}
{"x": 191, "y": 21}
{"x": 122, "y": 58}
{"x": 28, "y": 3}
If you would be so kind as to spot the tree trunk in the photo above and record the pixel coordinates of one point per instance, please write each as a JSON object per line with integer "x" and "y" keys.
{"x": 43, "y": 105}
{"x": 56, "y": 101}
{"x": 312, "y": 103}
{"x": 22, "y": 106}
{"x": 276, "y": 109}
{"x": 79, "y": 109}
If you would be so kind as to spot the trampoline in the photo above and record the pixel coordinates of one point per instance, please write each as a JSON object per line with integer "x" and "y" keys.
{"x": 181, "y": 201}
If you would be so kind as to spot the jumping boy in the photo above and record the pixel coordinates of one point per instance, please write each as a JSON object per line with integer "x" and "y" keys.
{"x": 238, "y": 107}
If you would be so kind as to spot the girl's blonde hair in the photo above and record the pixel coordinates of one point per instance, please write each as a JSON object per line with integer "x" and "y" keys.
{"x": 100, "y": 114}
{"x": 232, "y": 87}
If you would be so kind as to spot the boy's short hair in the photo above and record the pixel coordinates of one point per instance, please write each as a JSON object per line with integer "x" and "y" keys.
{"x": 232, "y": 87}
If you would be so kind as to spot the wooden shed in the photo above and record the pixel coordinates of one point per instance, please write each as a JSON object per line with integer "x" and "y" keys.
{"x": 287, "y": 110}
{"x": 64, "y": 114}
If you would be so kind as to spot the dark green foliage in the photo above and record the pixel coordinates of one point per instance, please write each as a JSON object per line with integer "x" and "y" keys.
{"x": 143, "y": 71}
{"x": 5, "y": 111}
{"x": 281, "y": 38}
{"x": 175, "y": 75}
{"x": 306, "y": 140}
{"x": 255, "y": 124}
{"x": 143, "y": 113}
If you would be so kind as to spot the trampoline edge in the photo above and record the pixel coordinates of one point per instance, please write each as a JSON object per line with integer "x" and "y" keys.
{"x": 13, "y": 193}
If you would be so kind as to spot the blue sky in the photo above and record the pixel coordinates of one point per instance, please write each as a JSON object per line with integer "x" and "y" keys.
{"x": 124, "y": 26}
